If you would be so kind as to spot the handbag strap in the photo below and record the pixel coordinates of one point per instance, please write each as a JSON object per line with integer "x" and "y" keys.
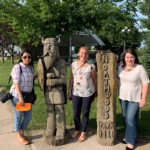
{"x": 80, "y": 66}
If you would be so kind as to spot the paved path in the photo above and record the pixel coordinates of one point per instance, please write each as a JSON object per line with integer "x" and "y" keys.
{"x": 8, "y": 138}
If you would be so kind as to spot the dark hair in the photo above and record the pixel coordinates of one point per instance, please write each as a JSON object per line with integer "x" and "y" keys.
{"x": 132, "y": 52}
{"x": 26, "y": 51}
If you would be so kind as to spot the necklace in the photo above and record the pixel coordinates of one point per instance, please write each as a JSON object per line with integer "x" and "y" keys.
{"x": 129, "y": 69}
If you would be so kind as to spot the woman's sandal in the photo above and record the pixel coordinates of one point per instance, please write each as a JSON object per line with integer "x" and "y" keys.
{"x": 124, "y": 142}
{"x": 23, "y": 141}
{"x": 75, "y": 134}
{"x": 127, "y": 148}
{"x": 82, "y": 138}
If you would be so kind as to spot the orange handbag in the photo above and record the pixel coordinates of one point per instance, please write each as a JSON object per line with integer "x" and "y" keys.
{"x": 25, "y": 107}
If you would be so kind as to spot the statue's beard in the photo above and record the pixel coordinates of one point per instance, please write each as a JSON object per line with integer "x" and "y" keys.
{"x": 49, "y": 60}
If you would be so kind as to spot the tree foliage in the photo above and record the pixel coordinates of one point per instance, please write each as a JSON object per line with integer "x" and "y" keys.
{"x": 32, "y": 20}
{"x": 7, "y": 42}
{"x": 145, "y": 10}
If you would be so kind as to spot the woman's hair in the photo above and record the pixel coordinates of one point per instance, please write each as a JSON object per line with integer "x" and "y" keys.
{"x": 84, "y": 47}
{"x": 132, "y": 52}
{"x": 26, "y": 51}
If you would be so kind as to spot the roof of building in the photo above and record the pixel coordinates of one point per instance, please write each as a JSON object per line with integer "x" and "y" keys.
{"x": 80, "y": 40}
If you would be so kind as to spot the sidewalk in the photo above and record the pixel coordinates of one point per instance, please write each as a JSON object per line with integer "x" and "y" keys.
{"x": 8, "y": 138}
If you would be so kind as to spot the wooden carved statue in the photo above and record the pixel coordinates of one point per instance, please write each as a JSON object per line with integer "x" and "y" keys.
{"x": 51, "y": 70}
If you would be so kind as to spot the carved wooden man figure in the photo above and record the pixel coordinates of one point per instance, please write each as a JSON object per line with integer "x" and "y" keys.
{"x": 51, "y": 72}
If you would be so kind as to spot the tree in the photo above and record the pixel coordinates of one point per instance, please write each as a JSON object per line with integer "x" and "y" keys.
{"x": 145, "y": 10}
{"x": 50, "y": 18}
{"x": 6, "y": 40}
{"x": 8, "y": 37}
{"x": 112, "y": 24}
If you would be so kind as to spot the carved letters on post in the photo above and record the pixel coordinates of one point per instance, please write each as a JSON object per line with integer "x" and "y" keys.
{"x": 106, "y": 130}
{"x": 106, "y": 87}
{"x": 106, "y": 127}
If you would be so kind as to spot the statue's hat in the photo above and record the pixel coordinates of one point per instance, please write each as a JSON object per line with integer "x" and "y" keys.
{"x": 49, "y": 41}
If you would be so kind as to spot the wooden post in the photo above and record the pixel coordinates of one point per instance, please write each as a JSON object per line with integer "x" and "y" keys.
{"x": 106, "y": 103}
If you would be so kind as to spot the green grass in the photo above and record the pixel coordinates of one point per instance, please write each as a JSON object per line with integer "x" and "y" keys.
{"x": 40, "y": 111}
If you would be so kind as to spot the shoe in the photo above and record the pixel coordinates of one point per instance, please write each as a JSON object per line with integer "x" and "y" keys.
{"x": 75, "y": 134}
{"x": 127, "y": 148}
{"x": 23, "y": 141}
{"x": 124, "y": 142}
{"x": 82, "y": 137}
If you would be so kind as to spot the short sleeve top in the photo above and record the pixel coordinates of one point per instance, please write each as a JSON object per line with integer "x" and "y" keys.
{"x": 83, "y": 85}
{"x": 131, "y": 83}
{"x": 24, "y": 77}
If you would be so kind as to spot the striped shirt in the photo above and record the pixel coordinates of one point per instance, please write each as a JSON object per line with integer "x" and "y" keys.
{"x": 24, "y": 78}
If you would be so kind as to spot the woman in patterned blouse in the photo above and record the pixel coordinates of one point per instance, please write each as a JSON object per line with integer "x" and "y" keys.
{"x": 82, "y": 90}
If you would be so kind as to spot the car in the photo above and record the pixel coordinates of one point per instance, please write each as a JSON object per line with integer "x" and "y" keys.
{"x": 74, "y": 55}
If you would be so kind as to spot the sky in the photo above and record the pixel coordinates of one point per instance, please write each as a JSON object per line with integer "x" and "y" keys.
{"x": 138, "y": 25}
{"x": 139, "y": 16}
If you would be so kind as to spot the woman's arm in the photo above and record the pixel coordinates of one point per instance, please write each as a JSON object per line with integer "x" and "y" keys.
{"x": 144, "y": 95}
{"x": 16, "y": 77}
{"x": 19, "y": 93}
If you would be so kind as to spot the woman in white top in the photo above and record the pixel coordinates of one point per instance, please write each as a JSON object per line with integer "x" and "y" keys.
{"x": 133, "y": 90}
{"x": 82, "y": 89}
{"x": 22, "y": 76}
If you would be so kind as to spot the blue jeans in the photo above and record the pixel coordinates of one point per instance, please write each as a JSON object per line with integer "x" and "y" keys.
{"x": 84, "y": 104}
{"x": 130, "y": 113}
{"x": 21, "y": 118}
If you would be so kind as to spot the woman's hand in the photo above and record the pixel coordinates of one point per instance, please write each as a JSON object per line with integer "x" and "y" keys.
{"x": 20, "y": 97}
{"x": 21, "y": 101}
{"x": 35, "y": 76}
{"x": 142, "y": 103}
{"x": 144, "y": 95}
{"x": 69, "y": 96}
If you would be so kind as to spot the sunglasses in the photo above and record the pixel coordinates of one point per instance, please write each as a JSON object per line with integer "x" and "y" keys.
{"x": 25, "y": 57}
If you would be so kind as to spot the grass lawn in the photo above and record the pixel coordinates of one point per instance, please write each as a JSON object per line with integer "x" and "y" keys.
{"x": 40, "y": 110}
